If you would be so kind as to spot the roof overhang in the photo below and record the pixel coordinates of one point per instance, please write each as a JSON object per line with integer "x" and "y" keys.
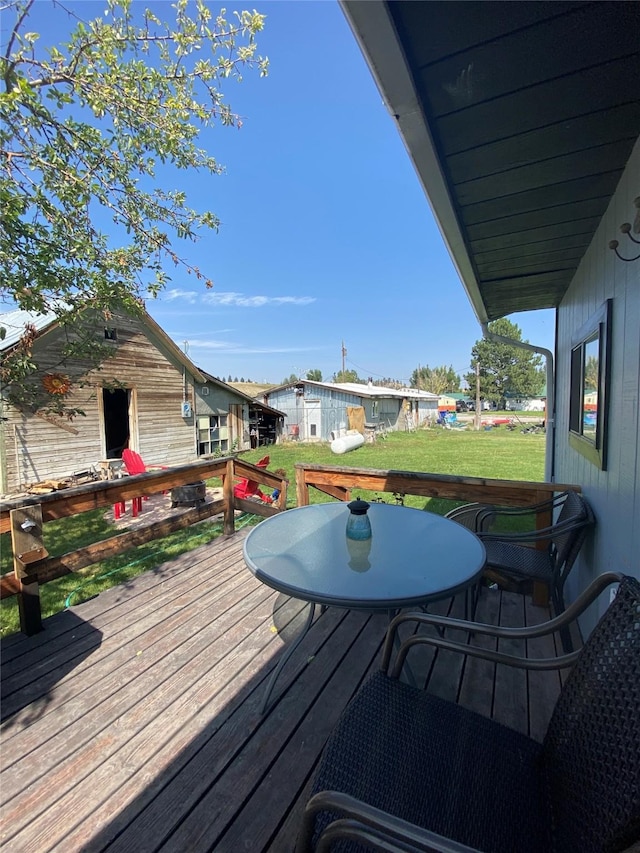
{"x": 519, "y": 119}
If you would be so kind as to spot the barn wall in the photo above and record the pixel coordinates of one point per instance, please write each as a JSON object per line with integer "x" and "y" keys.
{"x": 35, "y": 449}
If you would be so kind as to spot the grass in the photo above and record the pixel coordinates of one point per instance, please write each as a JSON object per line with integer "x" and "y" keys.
{"x": 498, "y": 454}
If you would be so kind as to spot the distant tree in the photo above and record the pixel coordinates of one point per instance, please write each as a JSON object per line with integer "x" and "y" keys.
{"x": 235, "y": 379}
{"x": 388, "y": 383}
{"x": 314, "y": 375}
{"x": 591, "y": 371}
{"x": 505, "y": 369}
{"x": 229, "y": 378}
{"x": 346, "y": 376}
{"x": 291, "y": 379}
{"x": 242, "y": 379}
{"x": 437, "y": 380}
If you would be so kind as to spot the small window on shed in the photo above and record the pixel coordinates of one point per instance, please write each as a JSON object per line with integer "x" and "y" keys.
{"x": 110, "y": 334}
{"x": 312, "y": 429}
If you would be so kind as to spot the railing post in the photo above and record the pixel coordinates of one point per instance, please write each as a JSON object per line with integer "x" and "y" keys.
{"x": 227, "y": 494}
{"x": 28, "y": 550}
{"x": 302, "y": 489}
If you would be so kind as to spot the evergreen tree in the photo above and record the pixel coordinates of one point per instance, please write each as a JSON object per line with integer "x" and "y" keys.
{"x": 505, "y": 369}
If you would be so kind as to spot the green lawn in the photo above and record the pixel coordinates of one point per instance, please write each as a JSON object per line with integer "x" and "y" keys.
{"x": 498, "y": 454}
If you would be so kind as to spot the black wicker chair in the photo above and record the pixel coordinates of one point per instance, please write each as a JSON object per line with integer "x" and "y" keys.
{"x": 406, "y": 771}
{"x": 514, "y": 555}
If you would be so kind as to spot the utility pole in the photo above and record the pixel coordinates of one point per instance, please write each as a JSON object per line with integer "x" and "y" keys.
{"x": 344, "y": 354}
{"x": 477, "y": 417}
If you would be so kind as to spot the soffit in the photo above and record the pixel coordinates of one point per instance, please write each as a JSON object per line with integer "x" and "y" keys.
{"x": 528, "y": 111}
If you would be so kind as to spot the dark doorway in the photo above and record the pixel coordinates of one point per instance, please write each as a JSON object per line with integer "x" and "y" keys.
{"x": 115, "y": 406}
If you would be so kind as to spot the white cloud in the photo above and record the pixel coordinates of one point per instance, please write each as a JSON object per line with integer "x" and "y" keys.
{"x": 231, "y": 297}
{"x": 189, "y": 296}
{"x": 242, "y": 301}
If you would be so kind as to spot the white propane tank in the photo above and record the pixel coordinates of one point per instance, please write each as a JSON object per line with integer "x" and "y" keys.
{"x": 347, "y": 442}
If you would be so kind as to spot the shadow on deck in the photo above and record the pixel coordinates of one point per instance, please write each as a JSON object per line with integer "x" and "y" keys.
{"x": 132, "y": 722}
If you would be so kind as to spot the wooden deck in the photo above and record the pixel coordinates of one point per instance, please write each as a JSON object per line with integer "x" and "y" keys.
{"x": 132, "y": 722}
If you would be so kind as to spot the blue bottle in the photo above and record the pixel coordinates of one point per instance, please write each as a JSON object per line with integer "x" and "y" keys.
{"x": 358, "y": 524}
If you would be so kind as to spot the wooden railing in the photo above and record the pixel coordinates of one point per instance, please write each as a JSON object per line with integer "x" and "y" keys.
{"x": 25, "y": 519}
{"x": 339, "y": 483}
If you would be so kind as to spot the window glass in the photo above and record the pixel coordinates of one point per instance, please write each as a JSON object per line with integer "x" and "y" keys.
{"x": 590, "y": 372}
{"x": 213, "y": 435}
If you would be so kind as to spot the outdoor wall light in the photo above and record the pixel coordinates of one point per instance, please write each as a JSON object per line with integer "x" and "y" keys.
{"x": 627, "y": 228}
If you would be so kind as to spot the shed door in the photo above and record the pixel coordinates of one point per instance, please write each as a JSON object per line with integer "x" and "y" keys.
{"x": 312, "y": 420}
{"x": 236, "y": 432}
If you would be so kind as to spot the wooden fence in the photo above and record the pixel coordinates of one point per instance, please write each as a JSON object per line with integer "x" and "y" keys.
{"x": 25, "y": 518}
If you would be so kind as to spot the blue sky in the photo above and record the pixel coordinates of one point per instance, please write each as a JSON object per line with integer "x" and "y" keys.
{"x": 326, "y": 234}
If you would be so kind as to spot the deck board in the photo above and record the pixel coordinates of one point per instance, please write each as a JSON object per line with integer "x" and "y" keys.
{"x": 132, "y": 721}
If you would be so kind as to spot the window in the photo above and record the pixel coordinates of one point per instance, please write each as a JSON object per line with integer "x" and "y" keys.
{"x": 590, "y": 374}
{"x": 213, "y": 435}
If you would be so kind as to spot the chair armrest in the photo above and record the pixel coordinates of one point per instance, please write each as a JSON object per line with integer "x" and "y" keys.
{"x": 373, "y": 827}
{"x": 441, "y": 622}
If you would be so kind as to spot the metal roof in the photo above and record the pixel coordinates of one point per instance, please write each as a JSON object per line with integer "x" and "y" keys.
{"x": 14, "y": 323}
{"x": 359, "y": 390}
{"x": 381, "y": 391}
{"x": 520, "y": 119}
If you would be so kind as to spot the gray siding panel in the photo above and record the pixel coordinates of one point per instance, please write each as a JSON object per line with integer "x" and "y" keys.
{"x": 614, "y": 493}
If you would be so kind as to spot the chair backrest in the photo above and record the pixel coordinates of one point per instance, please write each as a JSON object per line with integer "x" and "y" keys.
{"x": 475, "y": 516}
{"x": 573, "y": 523}
{"x": 591, "y": 752}
{"x": 133, "y": 462}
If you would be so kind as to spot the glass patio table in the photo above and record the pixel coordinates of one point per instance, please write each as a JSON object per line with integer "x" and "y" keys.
{"x": 412, "y": 558}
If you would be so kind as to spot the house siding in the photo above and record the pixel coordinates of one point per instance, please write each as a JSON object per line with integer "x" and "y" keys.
{"x": 332, "y": 406}
{"x": 615, "y": 493}
{"x": 390, "y": 412}
{"x": 35, "y": 449}
{"x": 219, "y": 401}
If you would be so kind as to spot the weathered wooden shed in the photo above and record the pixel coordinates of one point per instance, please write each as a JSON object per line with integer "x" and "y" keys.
{"x": 318, "y": 411}
{"x": 146, "y": 395}
{"x": 228, "y": 420}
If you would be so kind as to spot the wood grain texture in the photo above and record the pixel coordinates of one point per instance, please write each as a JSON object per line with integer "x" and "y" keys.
{"x": 132, "y": 721}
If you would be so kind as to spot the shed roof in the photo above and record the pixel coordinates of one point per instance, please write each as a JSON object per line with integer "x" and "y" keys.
{"x": 14, "y": 322}
{"x": 251, "y": 400}
{"x": 519, "y": 119}
{"x": 359, "y": 389}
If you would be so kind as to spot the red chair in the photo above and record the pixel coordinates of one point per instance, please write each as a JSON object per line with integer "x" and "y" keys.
{"x": 134, "y": 464}
{"x": 246, "y": 488}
